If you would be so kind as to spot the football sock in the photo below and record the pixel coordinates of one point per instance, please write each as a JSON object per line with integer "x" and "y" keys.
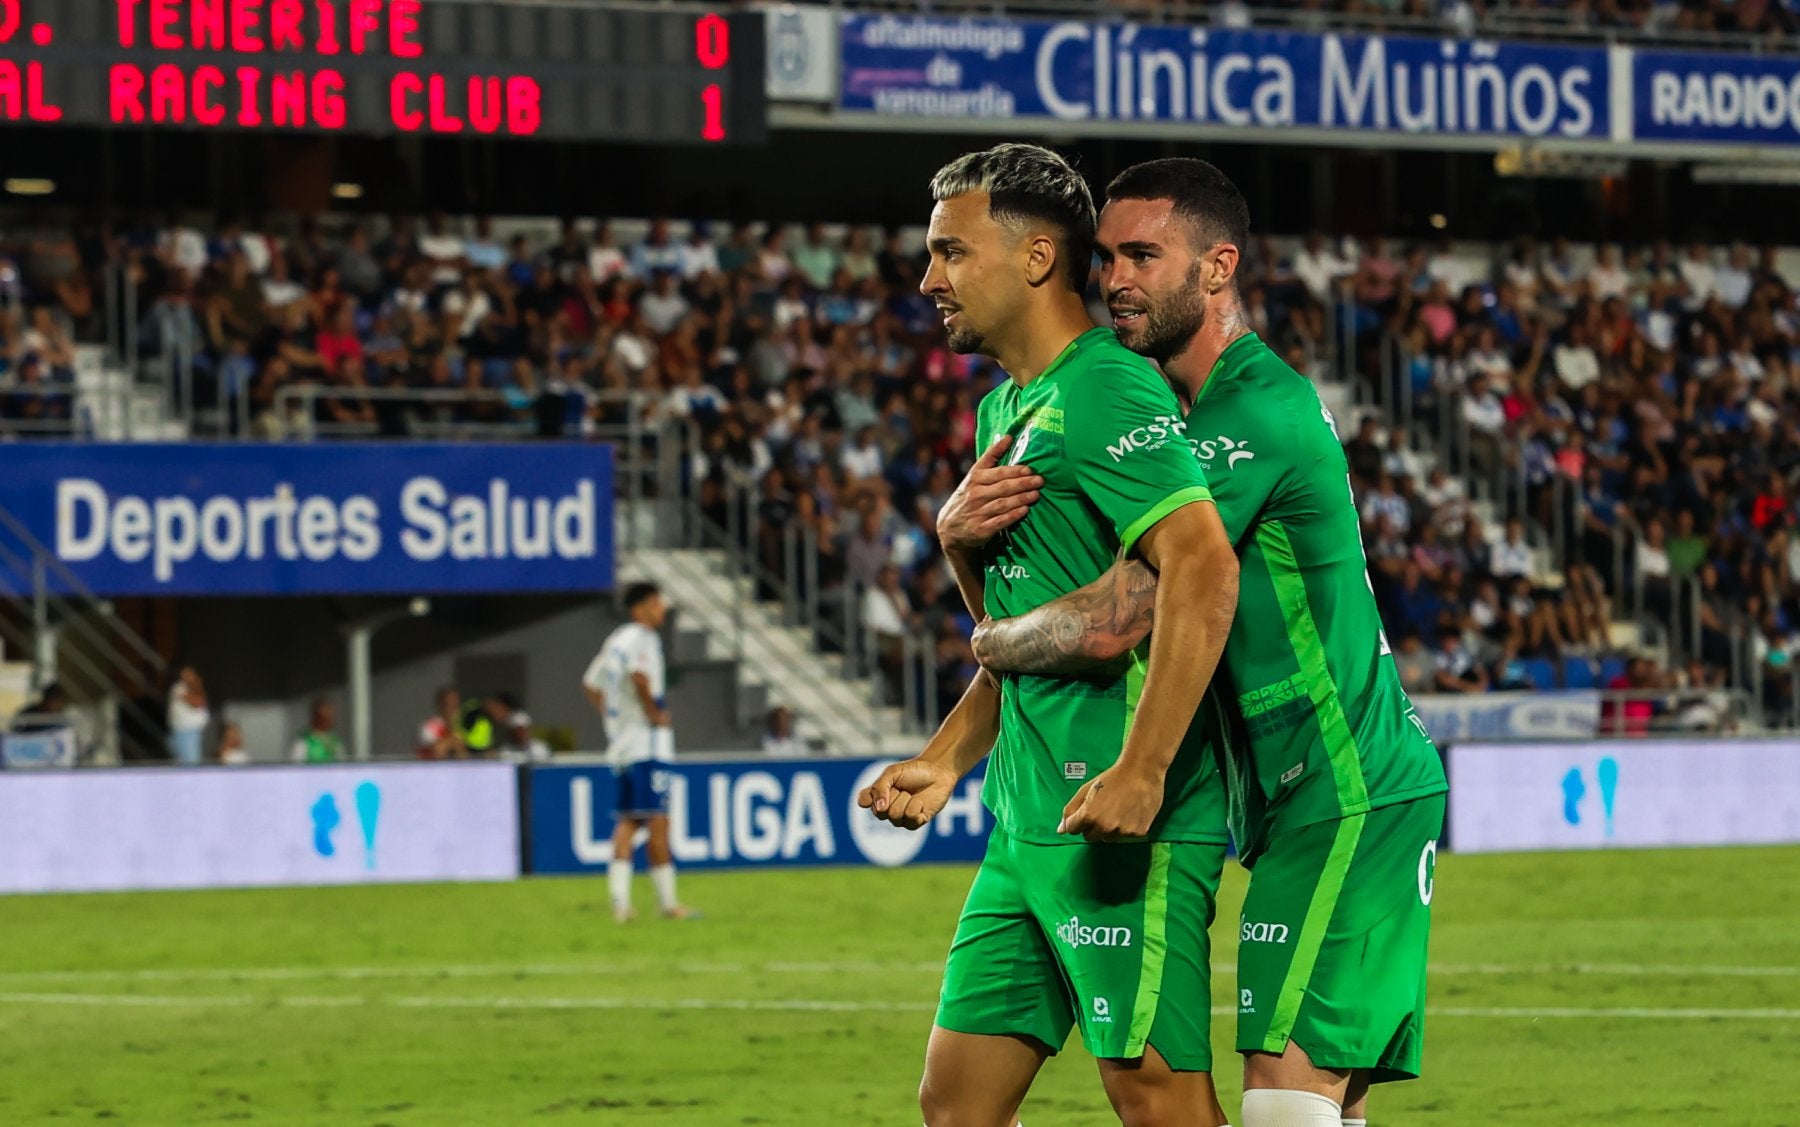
{"x": 618, "y": 881}
{"x": 1356, "y": 1123}
{"x": 1277, "y": 1107}
{"x": 663, "y": 878}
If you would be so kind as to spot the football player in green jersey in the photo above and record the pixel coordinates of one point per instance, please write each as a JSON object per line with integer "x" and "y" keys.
{"x": 1091, "y": 906}
{"x": 1337, "y": 793}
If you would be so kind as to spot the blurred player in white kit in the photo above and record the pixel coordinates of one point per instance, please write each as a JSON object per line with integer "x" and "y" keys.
{"x": 625, "y": 684}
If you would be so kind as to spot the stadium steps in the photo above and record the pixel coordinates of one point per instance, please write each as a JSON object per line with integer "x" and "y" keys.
{"x": 112, "y": 407}
{"x": 779, "y": 666}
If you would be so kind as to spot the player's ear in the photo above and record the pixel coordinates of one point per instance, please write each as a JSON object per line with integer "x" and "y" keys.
{"x": 1040, "y": 259}
{"x": 1225, "y": 259}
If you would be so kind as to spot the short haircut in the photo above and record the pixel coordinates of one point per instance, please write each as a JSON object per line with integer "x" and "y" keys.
{"x": 1028, "y": 182}
{"x": 1202, "y": 195}
{"x": 640, "y": 593}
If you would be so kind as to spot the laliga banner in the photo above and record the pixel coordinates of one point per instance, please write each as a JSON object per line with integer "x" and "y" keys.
{"x": 752, "y": 812}
{"x": 1072, "y": 71}
{"x": 274, "y": 519}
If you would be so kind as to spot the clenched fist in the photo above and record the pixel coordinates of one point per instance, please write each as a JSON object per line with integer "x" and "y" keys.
{"x": 909, "y": 793}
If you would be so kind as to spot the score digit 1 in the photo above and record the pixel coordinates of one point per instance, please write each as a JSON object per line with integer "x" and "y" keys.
{"x": 712, "y": 50}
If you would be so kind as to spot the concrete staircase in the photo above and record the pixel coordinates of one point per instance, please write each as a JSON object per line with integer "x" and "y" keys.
{"x": 110, "y": 405}
{"x": 719, "y": 620}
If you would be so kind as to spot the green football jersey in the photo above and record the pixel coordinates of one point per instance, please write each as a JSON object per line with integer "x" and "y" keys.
{"x": 1322, "y": 728}
{"x": 1105, "y": 432}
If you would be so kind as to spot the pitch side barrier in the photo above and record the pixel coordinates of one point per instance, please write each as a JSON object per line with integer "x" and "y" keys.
{"x": 1601, "y": 794}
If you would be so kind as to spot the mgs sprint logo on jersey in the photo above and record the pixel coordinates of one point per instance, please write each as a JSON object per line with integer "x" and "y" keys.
{"x": 1074, "y": 933}
{"x": 1153, "y": 435}
{"x": 1230, "y": 449}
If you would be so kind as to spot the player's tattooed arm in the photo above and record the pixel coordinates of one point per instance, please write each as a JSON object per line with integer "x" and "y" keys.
{"x": 1083, "y": 630}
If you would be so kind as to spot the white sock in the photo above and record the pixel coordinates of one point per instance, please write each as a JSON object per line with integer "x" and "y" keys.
{"x": 1278, "y": 1107}
{"x": 663, "y": 878}
{"x": 1356, "y": 1123}
{"x": 618, "y": 881}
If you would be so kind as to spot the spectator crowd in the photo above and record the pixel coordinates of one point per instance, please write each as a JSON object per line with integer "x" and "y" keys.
{"x": 814, "y": 391}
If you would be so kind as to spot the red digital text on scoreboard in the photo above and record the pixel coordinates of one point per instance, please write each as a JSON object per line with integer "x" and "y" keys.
{"x": 283, "y": 73}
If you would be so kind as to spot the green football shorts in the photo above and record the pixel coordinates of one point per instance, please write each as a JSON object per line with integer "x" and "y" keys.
{"x": 1111, "y": 937}
{"x": 1332, "y": 943}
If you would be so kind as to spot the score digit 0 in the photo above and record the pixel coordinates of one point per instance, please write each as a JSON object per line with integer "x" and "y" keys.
{"x": 712, "y": 50}
{"x": 9, "y": 19}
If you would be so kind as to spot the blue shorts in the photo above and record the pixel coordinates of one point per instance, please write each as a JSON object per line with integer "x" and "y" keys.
{"x": 642, "y": 790}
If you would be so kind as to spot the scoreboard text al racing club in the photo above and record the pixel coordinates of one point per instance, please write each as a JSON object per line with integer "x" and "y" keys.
{"x": 423, "y": 67}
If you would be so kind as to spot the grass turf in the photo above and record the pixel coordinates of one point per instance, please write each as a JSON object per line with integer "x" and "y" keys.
{"x": 1598, "y": 988}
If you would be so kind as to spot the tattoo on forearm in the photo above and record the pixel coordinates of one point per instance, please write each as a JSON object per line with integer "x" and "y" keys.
{"x": 1077, "y": 633}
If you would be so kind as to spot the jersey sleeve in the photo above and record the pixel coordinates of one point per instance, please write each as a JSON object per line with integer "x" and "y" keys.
{"x": 1124, "y": 437}
{"x": 595, "y": 677}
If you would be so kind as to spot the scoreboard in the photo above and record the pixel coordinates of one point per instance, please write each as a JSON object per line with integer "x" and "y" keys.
{"x": 494, "y": 68}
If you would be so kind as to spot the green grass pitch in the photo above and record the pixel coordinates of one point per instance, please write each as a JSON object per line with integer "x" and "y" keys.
{"x": 1575, "y": 989}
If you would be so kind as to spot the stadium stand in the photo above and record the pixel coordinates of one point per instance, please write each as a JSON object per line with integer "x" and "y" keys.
{"x": 1628, "y": 406}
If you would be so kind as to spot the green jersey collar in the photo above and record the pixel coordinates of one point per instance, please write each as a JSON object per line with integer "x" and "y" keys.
{"x": 1234, "y": 359}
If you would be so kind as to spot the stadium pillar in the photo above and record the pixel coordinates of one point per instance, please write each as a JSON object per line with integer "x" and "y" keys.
{"x": 359, "y": 637}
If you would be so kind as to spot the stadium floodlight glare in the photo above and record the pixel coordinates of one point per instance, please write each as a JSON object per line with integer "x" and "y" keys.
{"x": 30, "y": 186}
{"x": 1556, "y": 164}
{"x": 347, "y": 191}
{"x": 1747, "y": 172}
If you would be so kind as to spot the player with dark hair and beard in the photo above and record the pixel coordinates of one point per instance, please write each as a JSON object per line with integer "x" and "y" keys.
{"x": 1091, "y": 906}
{"x": 1336, "y": 791}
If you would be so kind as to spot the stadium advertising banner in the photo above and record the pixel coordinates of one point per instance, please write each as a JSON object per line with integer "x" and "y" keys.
{"x": 1450, "y": 717}
{"x": 217, "y": 827}
{"x": 1617, "y": 793}
{"x": 1740, "y": 99}
{"x": 1074, "y": 71}
{"x": 273, "y": 519}
{"x": 749, "y": 813}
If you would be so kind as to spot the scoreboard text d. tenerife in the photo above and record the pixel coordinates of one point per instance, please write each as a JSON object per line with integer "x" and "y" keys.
{"x": 424, "y": 67}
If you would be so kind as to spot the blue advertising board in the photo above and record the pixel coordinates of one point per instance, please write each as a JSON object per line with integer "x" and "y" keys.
{"x": 288, "y": 519}
{"x": 1075, "y": 71}
{"x": 1740, "y": 99}
{"x": 753, "y": 812}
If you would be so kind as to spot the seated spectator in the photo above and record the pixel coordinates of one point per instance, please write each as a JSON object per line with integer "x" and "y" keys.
{"x": 319, "y": 743}
{"x": 489, "y": 724}
{"x": 779, "y": 740}
{"x": 441, "y": 736}
{"x": 48, "y": 713}
{"x": 1512, "y": 556}
{"x": 232, "y": 752}
{"x": 1418, "y": 672}
{"x": 1457, "y": 670}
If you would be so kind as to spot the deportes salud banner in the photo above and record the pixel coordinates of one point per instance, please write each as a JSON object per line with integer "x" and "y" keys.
{"x": 754, "y": 812}
{"x": 274, "y": 519}
{"x": 1638, "y": 792}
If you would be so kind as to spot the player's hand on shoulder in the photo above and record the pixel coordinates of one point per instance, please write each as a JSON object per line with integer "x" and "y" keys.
{"x": 1117, "y": 803}
{"x": 990, "y": 498}
{"x": 909, "y": 793}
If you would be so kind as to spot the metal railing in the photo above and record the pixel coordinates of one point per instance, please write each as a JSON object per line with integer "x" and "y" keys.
{"x": 73, "y": 636}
